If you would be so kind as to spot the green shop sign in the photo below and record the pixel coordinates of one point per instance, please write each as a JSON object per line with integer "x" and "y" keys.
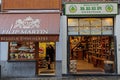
{"x": 91, "y": 8}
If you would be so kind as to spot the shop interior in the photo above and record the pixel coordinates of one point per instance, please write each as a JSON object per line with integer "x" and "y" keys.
{"x": 92, "y": 54}
{"x": 41, "y": 52}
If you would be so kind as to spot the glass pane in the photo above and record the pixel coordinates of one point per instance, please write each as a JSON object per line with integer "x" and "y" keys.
{"x": 84, "y": 22}
{"x": 107, "y": 30}
{"x": 107, "y": 26}
{"x": 22, "y": 51}
{"x": 95, "y": 26}
{"x": 107, "y": 21}
{"x": 72, "y": 30}
{"x": 96, "y": 30}
{"x": 46, "y": 58}
{"x": 72, "y": 22}
{"x": 84, "y": 28}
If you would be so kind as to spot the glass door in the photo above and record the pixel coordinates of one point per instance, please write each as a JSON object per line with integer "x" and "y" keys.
{"x": 46, "y": 58}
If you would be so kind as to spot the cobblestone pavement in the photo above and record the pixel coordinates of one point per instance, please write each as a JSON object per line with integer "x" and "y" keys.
{"x": 69, "y": 78}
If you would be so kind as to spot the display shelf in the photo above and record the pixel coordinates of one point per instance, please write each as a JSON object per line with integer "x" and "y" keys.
{"x": 21, "y": 51}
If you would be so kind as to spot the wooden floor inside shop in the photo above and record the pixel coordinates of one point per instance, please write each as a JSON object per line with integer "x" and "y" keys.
{"x": 46, "y": 71}
{"x": 84, "y": 66}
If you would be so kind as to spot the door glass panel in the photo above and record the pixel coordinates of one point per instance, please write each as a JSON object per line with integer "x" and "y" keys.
{"x": 95, "y": 26}
{"x": 46, "y": 58}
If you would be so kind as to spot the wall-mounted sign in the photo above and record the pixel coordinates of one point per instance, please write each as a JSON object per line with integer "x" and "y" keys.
{"x": 29, "y": 23}
{"x": 44, "y": 38}
{"x": 91, "y": 8}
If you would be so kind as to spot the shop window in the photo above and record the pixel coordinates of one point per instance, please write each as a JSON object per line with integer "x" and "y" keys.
{"x": 84, "y": 27}
{"x": 90, "y": 26}
{"x": 21, "y": 51}
{"x": 107, "y": 26}
{"x": 73, "y": 26}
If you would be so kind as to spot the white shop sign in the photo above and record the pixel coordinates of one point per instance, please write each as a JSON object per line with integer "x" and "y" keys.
{"x": 91, "y": 8}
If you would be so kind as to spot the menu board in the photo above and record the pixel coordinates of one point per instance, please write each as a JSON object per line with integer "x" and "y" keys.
{"x": 21, "y": 51}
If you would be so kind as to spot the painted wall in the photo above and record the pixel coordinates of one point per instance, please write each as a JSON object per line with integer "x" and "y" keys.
{"x": 64, "y": 44}
{"x": 4, "y": 51}
{"x": 117, "y": 33}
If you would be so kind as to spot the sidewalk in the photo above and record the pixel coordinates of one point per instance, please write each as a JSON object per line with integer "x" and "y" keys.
{"x": 58, "y": 76}
{"x": 69, "y": 78}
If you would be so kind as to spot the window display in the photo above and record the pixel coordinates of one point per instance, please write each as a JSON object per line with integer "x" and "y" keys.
{"x": 21, "y": 51}
{"x": 42, "y": 52}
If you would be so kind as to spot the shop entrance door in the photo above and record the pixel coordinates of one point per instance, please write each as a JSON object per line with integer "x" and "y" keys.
{"x": 46, "y": 58}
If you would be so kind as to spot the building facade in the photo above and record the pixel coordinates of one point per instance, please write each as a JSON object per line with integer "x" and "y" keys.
{"x": 91, "y": 37}
{"x": 84, "y": 35}
{"x": 30, "y": 35}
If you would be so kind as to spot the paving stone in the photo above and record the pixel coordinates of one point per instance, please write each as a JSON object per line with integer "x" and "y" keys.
{"x": 68, "y": 78}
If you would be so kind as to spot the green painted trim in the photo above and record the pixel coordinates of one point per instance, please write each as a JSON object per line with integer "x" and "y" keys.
{"x": 90, "y": 15}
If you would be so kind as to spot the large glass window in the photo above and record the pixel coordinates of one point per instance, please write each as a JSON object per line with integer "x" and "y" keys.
{"x": 21, "y": 51}
{"x": 90, "y": 26}
{"x": 44, "y": 53}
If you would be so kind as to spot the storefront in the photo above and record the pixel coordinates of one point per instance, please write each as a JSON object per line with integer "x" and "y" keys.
{"x": 29, "y": 32}
{"x": 90, "y": 39}
{"x": 30, "y": 38}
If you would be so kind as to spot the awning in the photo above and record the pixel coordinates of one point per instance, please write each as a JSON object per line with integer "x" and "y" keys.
{"x": 31, "y": 26}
